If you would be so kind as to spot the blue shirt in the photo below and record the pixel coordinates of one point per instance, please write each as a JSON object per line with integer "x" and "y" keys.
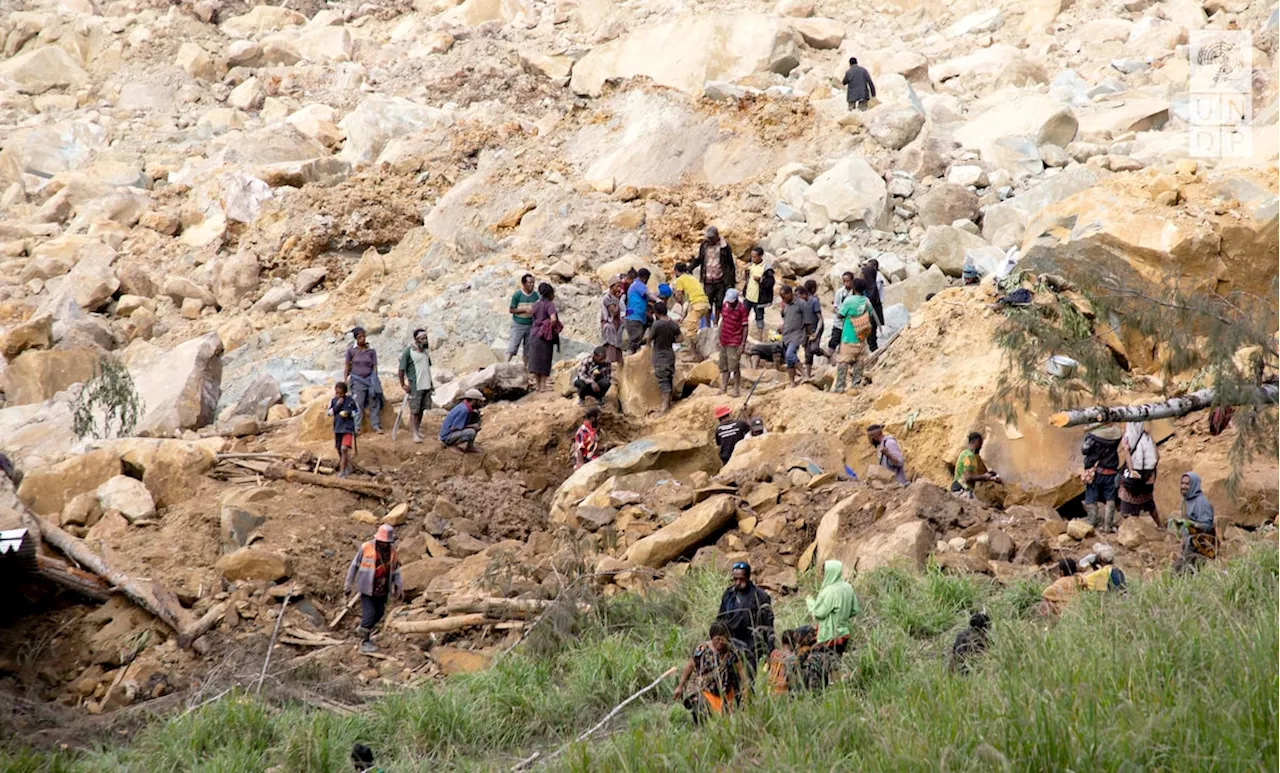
{"x": 456, "y": 419}
{"x": 637, "y": 301}
{"x": 344, "y": 425}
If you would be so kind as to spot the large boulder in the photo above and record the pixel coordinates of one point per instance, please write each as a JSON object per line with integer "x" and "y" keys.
{"x": 378, "y": 119}
{"x": 1106, "y": 119}
{"x": 38, "y": 70}
{"x": 473, "y": 13}
{"x": 893, "y": 126}
{"x": 912, "y": 291}
{"x": 775, "y": 454}
{"x": 417, "y": 575}
{"x": 129, "y": 496}
{"x": 1004, "y": 223}
{"x": 179, "y": 387}
{"x": 636, "y": 456}
{"x": 685, "y": 53}
{"x": 638, "y": 390}
{"x": 688, "y": 531}
{"x": 852, "y": 191}
{"x": 944, "y": 246}
{"x": 38, "y": 374}
{"x": 258, "y": 398}
{"x": 1016, "y": 112}
{"x": 172, "y": 470}
{"x": 35, "y": 333}
{"x": 946, "y": 203}
{"x": 500, "y": 381}
{"x": 238, "y": 276}
{"x": 253, "y": 564}
{"x": 897, "y": 539}
{"x": 261, "y": 19}
{"x": 93, "y": 281}
{"x": 46, "y": 490}
{"x": 820, "y": 33}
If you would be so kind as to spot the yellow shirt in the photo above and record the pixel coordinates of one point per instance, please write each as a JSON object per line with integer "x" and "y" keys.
{"x": 692, "y": 289}
{"x": 755, "y": 272}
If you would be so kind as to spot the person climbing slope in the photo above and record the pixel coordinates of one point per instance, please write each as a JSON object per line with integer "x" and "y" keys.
{"x": 719, "y": 677}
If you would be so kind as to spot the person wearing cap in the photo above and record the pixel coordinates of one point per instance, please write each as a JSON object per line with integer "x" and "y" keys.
{"x": 360, "y": 371}
{"x": 757, "y": 427}
{"x": 1101, "y": 474}
{"x": 729, "y": 431}
{"x": 733, "y": 335}
{"x": 462, "y": 423}
{"x": 690, "y": 294}
{"x": 747, "y": 611}
{"x": 375, "y": 575}
{"x": 891, "y": 456}
{"x": 717, "y": 271}
{"x": 675, "y": 310}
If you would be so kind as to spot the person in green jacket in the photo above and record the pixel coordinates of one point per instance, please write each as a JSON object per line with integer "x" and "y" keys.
{"x": 835, "y": 605}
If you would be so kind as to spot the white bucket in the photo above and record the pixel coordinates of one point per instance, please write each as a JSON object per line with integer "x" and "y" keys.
{"x": 1060, "y": 366}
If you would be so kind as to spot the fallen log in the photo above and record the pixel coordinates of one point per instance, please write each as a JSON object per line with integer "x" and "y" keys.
{"x": 81, "y": 554}
{"x": 202, "y": 626}
{"x": 1174, "y": 406}
{"x": 442, "y": 625}
{"x": 367, "y": 488}
{"x": 91, "y": 586}
{"x": 500, "y": 608}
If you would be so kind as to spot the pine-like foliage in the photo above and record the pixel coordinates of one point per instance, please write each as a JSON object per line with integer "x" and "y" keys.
{"x": 1093, "y": 307}
{"x": 108, "y": 405}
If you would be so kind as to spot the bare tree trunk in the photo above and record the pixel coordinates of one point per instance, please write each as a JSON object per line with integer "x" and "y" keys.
{"x": 88, "y": 585}
{"x": 367, "y": 488}
{"x": 500, "y": 608}
{"x": 1174, "y": 406}
{"x": 443, "y": 625}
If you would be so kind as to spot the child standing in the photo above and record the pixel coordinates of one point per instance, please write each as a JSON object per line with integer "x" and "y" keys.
{"x": 586, "y": 440}
{"x": 346, "y": 417}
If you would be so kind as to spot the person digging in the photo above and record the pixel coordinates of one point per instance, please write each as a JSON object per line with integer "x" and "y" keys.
{"x": 375, "y": 573}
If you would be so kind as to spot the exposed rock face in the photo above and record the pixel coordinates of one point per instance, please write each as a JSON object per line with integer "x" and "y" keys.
{"x": 47, "y": 490}
{"x": 636, "y": 456}
{"x": 38, "y": 374}
{"x": 686, "y": 53}
{"x": 40, "y": 69}
{"x": 777, "y": 453}
{"x": 253, "y": 564}
{"x": 689, "y": 530}
{"x": 946, "y": 203}
{"x": 172, "y": 470}
{"x": 901, "y": 539}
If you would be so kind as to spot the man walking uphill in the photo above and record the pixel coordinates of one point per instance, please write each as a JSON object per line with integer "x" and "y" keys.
{"x": 375, "y": 573}
{"x": 859, "y": 87}
{"x": 415, "y": 380}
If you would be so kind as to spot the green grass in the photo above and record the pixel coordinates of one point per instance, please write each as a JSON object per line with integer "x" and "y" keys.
{"x": 1178, "y": 674}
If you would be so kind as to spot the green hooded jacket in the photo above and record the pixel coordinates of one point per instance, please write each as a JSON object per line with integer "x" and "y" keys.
{"x": 835, "y": 604}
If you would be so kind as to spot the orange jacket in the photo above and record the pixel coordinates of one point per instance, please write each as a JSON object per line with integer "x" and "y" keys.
{"x": 362, "y": 568}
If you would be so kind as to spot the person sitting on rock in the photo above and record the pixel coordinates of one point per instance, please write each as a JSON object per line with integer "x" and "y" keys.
{"x": 1062, "y": 590}
{"x": 1195, "y": 525}
{"x": 346, "y": 417}
{"x": 832, "y": 610}
{"x": 586, "y": 441}
{"x": 594, "y": 375}
{"x": 719, "y": 676}
{"x": 462, "y": 423}
{"x": 375, "y": 573}
{"x": 729, "y": 432}
{"x": 970, "y": 644}
{"x": 971, "y": 469}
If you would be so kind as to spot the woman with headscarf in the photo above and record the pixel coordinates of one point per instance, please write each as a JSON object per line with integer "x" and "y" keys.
{"x": 611, "y": 320}
{"x": 1195, "y": 525}
{"x": 1138, "y": 478}
{"x": 835, "y": 605}
{"x": 546, "y": 335}
{"x": 360, "y": 371}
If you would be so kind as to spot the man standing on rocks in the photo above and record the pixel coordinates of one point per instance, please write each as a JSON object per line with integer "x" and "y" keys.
{"x": 795, "y": 333}
{"x": 1101, "y": 450}
{"x": 748, "y": 612}
{"x": 415, "y": 380}
{"x": 462, "y": 423}
{"x": 837, "y": 323}
{"x": 812, "y": 307}
{"x": 664, "y": 334}
{"x": 346, "y": 417}
{"x": 758, "y": 291}
{"x": 729, "y": 432}
{"x": 718, "y": 273}
{"x": 733, "y": 335}
{"x": 611, "y": 320}
{"x": 638, "y": 300}
{"x": 859, "y": 88}
{"x": 375, "y": 573}
{"x": 522, "y": 301}
{"x": 891, "y": 456}
{"x": 871, "y": 275}
{"x": 361, "y": 372}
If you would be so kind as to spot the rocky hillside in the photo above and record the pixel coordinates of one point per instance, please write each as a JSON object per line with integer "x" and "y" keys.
{"x": 215, "y": 193}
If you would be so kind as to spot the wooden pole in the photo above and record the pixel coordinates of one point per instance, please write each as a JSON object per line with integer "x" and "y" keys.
{"x": 367, "y": 488}
{"x": 271, "y": 644}
{"x": 500, "y": 608}
{"x": 1174, "y": 406}
{"x": 442, "y": 625}
{"x": 203, "y": 625}
{"x": 81, "y": 553}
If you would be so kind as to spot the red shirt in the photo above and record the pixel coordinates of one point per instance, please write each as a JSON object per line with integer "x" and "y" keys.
{"x": 733, "y": 324}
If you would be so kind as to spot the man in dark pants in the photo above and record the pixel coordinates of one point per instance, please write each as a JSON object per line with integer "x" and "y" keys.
{"x": 859, "y": 87}
{"x": 748, "y": 612}
{"x": 871, "y": 275}
{"x": 375, "y": 573}
{"x": 716, "y": 269}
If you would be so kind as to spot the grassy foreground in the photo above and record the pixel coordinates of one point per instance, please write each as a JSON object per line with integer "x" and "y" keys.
{"x": 1179, "y": 674}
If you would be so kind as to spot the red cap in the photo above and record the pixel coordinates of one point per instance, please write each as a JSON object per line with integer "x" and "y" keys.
{"x": 722, "y": 411}
{"x": 386, "y": 533}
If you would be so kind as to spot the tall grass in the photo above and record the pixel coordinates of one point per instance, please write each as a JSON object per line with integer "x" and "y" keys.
{"x": 1178, "y": 674}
